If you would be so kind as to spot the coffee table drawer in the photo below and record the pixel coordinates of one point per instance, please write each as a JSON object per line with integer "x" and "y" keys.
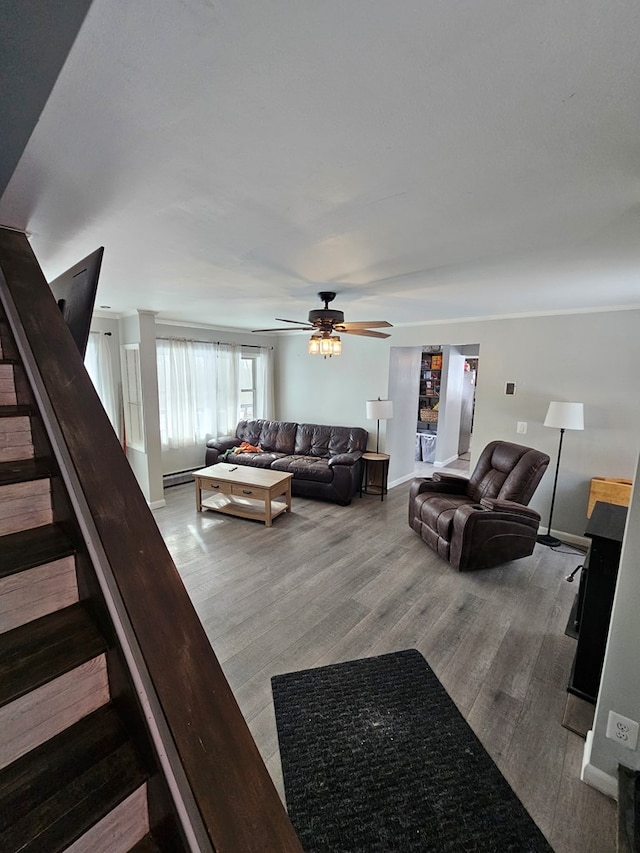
{"x": 223, "y": 488}
{"x": 247, "y": 491}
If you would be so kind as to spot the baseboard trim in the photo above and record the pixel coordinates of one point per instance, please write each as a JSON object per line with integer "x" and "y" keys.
{"x": 177, "y": 478}
{"x": 581, "y": 542}
{"x": 157, "y": 504}
{"x": 598, "y": 779}
{"x": 401, "y": 480}
{"x": 446, "y": 462}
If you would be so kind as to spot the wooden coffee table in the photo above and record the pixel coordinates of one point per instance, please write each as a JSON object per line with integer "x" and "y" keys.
{"x": 244, "y": 491}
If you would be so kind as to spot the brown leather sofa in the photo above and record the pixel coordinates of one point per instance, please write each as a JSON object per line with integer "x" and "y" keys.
{"x": 483, "y": 520}
{"x": 325, "y": 460}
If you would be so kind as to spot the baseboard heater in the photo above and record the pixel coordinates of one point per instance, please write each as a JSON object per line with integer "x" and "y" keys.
{"x": 177, "y": 478}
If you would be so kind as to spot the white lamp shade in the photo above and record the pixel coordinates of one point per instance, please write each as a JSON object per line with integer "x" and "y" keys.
{"x": 565, "y": 416}
{"x": 379, "y": 410}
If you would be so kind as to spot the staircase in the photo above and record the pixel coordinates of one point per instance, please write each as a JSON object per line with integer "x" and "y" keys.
{"x": 118, "y": 729}
{"x": 72, "y": 777}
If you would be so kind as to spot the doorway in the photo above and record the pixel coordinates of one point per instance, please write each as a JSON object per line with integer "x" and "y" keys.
{"x": 446, "y": 407}
{"x": 406, "y": 387}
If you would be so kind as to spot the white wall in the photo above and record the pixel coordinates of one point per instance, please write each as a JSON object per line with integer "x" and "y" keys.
{"x": 591, "y": 358}
{"x": 404, "y": 379}
{"x": 451, "y": 378}
{"x": 312, "y": 389}
{"x": 146, "y": 464}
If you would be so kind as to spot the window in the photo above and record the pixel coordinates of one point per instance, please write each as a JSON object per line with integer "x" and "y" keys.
{"x": 205, "y": 388}
{"x": 247, "y": 388}
{"x": 97, "y": 361}
{"x": 132, "y": 397}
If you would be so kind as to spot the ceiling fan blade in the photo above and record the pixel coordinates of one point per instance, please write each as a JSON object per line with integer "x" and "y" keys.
{"x": 362, "y": 324}
{"x": 300, "y": 322}
{"x": 364, "y": 332}
{"x": 287, "y": 329}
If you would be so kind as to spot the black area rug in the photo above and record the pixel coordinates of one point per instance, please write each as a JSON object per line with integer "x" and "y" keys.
{"x": 376, "y": 757}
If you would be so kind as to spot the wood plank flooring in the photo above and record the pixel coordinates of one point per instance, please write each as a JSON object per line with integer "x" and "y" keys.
{"x": 327, "y": 584}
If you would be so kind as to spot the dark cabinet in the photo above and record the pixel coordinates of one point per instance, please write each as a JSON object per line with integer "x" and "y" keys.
{"x": 595, "y": 597}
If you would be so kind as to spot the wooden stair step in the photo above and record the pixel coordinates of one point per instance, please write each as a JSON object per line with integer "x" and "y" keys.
{"x": 16, "y": 437}
{"x": 18, "y": 411}
{"x": 164, "y": 837}
{"x": 36, "y": 653}
{"x": 24, "y": 470}
{"x": 7, "y": 383}
{"x": 148, "y": 844}
{"x": 25, "y": 495}
{"x": 8, "y": 349}
{"x": 55, "y": 794}
{"x": 37, "y": 574}
{"x": 29, "y": 548}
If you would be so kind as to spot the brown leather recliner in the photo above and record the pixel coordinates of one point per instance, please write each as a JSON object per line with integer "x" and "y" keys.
{"x": 484, "y": 520}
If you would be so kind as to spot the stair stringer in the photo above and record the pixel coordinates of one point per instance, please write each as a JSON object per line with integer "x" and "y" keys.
{"x": 187, "y": 812}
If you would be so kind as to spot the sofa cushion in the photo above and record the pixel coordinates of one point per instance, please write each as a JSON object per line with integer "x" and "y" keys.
{"x": 254, "y": 460}
{"x": 347, "y": 440}
{"x": 306, "y": 467}
{"x": 313, "y": 440}
{"x": 323, "y": 441}
{"x": 278, "y": 436}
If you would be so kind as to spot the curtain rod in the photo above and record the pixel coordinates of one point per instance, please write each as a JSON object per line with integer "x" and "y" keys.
{"x": 230, "y": 343}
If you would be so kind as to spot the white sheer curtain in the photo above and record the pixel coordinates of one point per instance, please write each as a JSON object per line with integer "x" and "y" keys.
{"x": 198, "y": 391}
{"x": 265, "y": 406}
{"x": 97, "y": 360}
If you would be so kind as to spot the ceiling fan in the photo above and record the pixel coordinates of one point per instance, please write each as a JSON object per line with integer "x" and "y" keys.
{"x": 324, "y": 321}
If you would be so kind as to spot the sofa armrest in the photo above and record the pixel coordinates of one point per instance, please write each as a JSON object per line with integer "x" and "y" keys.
{"x": 496, "y": 505}
{"x": 484, "y": 536}
{"x": 455, "y": 486}
{"x": 460, "y": 482}
{"x": 223, "y": 442}
{"x": 344, "y": 459}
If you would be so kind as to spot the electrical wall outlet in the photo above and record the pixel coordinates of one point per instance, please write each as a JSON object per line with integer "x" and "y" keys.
{"x": 622, "y": 729}
{"x": 521, "y": 427}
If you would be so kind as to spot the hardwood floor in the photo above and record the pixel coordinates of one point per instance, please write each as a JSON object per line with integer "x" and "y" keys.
{"x": 327, "y": 584}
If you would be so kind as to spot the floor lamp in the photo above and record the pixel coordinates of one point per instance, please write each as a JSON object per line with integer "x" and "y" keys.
{"x": 379, "y": 410}
{"x": 561, "y": 416}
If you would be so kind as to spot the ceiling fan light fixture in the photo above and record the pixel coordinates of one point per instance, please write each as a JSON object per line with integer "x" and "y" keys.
{"x": 323, "y": 322}
{"x": 325, "y": 345}
{"x": 314, "y": 345}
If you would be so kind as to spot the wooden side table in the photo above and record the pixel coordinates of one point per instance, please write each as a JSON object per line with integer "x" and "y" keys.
{"x": 375, "y": 474}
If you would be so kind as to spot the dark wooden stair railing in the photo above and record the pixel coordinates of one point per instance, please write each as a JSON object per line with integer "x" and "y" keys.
{"x": 209, "y": 750}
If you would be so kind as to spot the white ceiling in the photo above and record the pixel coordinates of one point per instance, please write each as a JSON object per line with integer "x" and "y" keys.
{"x": 426, "y": 160}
